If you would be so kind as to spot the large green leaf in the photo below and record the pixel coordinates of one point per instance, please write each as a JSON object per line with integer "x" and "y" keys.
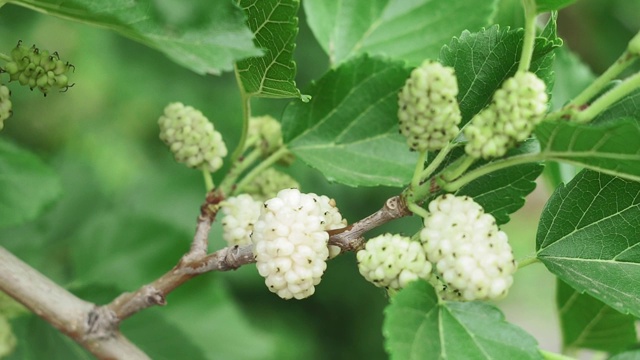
{"x": 589, "y": 236}
{"x": 590, "y": 323}
{"x": 418, "y": 326}
{"x": 201, "y": 35}
{"x": 408, "y": 30}
{"x": 349, "y": 130}
{"x": 275, "y": 26}
{"x": 27, "y": 185}
{"x": 484, "y": 59}
{"x": 503, "y": 192}
{"x": 611, "y": 147}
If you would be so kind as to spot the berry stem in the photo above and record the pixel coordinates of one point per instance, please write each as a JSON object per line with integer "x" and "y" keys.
{"x": 237, "y": 168}
{"x": 529, "y": 34}
{"x": 528, "y": 260}
{"x": 491, "y": 167}
{"x": 3, "y": 56}
{"x": 208, "y": 180}
{"x": 246, "y": 115}
{"x": 627, "y": 86}
{"x": 418, "y": 210}
{"x": 433, "y": 165}
{"x": 260, "y": 168}
{"x": 622, "y": 63}
{"x": 422, "y": 156}
{"x": 457, "y": 168}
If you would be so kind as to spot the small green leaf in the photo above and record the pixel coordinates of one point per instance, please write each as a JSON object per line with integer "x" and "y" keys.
{"x": 349, "y": 129}
{"x": 550, "y": 5}
{"x": 483, "y": 60}
{"x": 411, "y": 31}
{"x": 418, "y": 326}
{"x": 592, "y": 324}
{"x": 204, "y": 36}
{"x": 27, "y": 185}
{"x": 589, "y": 236}
{"x": 275, "y": 26}
{"x": 611, "y": 147}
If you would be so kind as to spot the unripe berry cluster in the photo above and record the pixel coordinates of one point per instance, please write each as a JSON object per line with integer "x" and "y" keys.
{"x": 5, "y": 105}
{"x": 427, "y": 107}
{"x": 240, "y": 214}
{"x": 290, "y": 242}
{"x": 472, "y": 257}
{"x": 38, "y": 69}
{"x": 392, "y": 261}
{"x": 516, "y": 108}
{"x": 268, "y": 132}
{"x": 191, "y": 137}
{"x": 269, "y": 183}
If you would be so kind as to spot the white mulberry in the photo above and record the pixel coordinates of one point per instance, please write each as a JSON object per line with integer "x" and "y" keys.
{"x": 240, "y": 214}
{"x": 472, "y": 257}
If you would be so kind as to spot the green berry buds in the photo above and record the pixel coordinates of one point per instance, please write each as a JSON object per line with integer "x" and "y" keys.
{"x": 38, "y": 69}
{"x": 268, "y": 131}
{"x": 269, "y": 183}
{"x": 427, "y": 107}
{"x": 517, "y": 107}
{"x": 191, "y": 137}
{"x": 392, "y": 261}
{"x": 5, "y": 105}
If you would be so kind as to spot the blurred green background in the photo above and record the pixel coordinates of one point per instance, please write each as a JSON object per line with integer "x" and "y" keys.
{"x": 128, "y": 211}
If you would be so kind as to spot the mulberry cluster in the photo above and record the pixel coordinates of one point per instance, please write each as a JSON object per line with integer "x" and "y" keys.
{"x": 268, "y": 184}
{"x": 427, "y": 107}
{"x": 191, "y": 137}
{"x": 268, "y": 132}
{"x": 516, "y": 108}
{"x": 38, "y": 69}
{"x": 240, "y": 214}
{"x": 472, "y": 257}
{"x": 5, "y": 105}
{"x": 392, "y": 261}
{"x": 290, "y": 242}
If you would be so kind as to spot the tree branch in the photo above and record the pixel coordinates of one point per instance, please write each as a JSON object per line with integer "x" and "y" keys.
{"x": 90, "y": 326}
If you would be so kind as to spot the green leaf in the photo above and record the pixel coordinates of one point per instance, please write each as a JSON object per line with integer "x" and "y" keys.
{"x": 629, "y": 355}
{"x": 37, "y": 339}
{"x": 275, "y": 25}
{"x": 572, "y": 76}
{"x": 549, "y": 5}
{"x": 592, "y": 324}
{"x": 204, "y": 36}
{"x": 125, "y": 250}
{"x": 418, "y": 326}
{"x": 411, "y": 31}
{"x": 27, "y": 185}
{"x": 589, "y": 236}
{"x": 483, "y": 60}
{"x": 627, "y": 107}
{"x": 611, "y": 148}
{"x": 349, "y": 130}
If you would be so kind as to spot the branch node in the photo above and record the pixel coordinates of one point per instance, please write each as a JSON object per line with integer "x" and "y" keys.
{"x": 100, "y": 324}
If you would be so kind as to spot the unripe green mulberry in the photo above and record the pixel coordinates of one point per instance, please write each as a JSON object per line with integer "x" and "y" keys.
{"x": 268, "y": 183}
{"x": 268, "y": 132}
{"x": 38, "y": 69}
{"x": 427, "y": 107}
{"x": 392, "y": 261}
{"x": 5, "y": 105}
{"x": 516, "y": 108}
{"x": 191, "y": 137}
{"x": 472, "y": 257}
